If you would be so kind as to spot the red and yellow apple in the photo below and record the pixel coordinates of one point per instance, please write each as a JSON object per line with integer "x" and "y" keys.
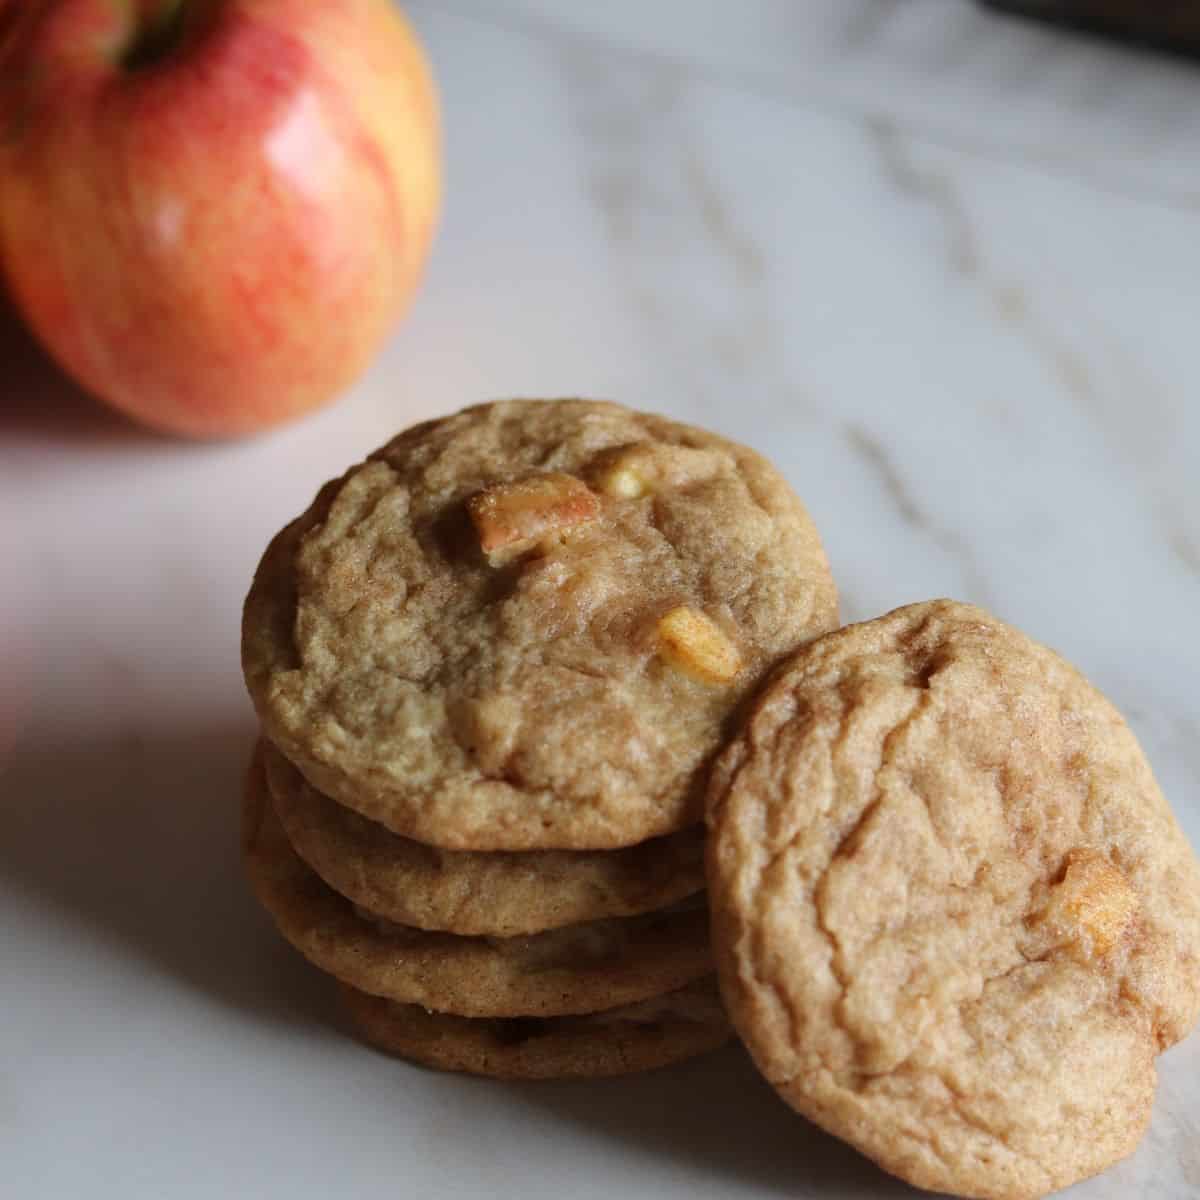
{"x": 213, "y": 211}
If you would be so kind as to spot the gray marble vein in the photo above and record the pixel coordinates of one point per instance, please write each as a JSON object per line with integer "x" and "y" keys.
{"x": 928, "y": 186}
{"x": 676, "y": 239}
{"x": 1104, "y": 400}
{"x": 953, "y": 71}
{"x": 872, "y": 451}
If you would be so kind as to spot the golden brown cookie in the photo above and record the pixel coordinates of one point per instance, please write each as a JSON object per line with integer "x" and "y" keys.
{"x": 578, "y": 968}
{"x": 496, "y": 893}
{"x": 954, "y": 917}
{"x": 528, "y": 625}
{"x": 637, "y": 1037}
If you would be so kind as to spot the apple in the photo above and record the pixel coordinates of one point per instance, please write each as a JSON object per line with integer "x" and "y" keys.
{"x": 213, "y": 211}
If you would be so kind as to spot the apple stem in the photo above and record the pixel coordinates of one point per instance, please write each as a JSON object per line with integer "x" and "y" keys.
{"x": 160, "y": 27}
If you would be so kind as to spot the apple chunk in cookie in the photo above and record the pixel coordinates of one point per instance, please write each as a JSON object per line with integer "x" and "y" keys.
{"x": 1090, "y": 909}
{"x": 697, "y": 645}
{"x": 511, "y": 517}
{"x": 954, "y": 917}
{"x": 463, "y": 638}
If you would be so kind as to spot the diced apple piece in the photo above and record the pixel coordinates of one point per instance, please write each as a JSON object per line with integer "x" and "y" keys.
{"x": 1094, "y": 904}
{"x": 510, "y": 517}
{"x": 697, "y": 645}
{"x": 632, "y": 472}
{"x": 623, "y": 483}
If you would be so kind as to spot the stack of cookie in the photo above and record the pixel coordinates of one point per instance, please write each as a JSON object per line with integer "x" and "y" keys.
{"x": 492, "y": 666}
{"x": 504, "y": 666}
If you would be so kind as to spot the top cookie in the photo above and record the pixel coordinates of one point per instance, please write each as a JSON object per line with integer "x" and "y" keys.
{"x": 526, "y": 625}
{"x": 954, "y": 917}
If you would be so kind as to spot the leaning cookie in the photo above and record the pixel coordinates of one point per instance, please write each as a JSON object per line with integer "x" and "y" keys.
{"x": 954, "y": 918}
{"x": 528, "y": 625}
{"x": 578, "y": 968}
{"x": 636, "y": 1037}
{"x": 496, "y": 893}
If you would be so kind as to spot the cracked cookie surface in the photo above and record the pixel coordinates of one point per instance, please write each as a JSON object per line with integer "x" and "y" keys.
{"x": 954, "y": 918}
{"x": 574, "y": 969}
{"x": 461, "y": 639}
{"x": 496, "y": 892}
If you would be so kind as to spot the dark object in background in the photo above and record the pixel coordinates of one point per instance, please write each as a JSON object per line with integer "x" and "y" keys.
{"x": 1171, "y": 24}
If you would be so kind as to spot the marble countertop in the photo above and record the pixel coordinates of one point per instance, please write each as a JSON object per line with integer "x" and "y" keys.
{"x": 941, "y": 265}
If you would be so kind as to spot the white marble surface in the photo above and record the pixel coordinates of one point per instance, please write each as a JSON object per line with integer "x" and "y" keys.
{"x": 944, "y": 269}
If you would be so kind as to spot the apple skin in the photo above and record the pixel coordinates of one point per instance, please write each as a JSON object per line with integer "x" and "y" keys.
{"x": 217, "y": 240}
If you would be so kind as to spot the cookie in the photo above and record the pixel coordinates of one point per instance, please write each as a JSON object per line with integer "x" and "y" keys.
{"x": 954, "y": 918}
{"x": 578, "y": 968}
{"x": 497, "y": 893}
{"x": 528, "y": 626}
{"x": 636, "y": 1037}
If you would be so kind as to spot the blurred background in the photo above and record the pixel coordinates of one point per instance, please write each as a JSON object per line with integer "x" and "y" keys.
{"x": 941, "y": 262}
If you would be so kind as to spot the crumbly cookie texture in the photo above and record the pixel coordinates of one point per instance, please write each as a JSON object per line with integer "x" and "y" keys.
{"x": 638, "y": 1037}
{"x": 954, "y": 918}
{"x": 463, "y": 638}
{"x": 573, "y": 969}
{"x": 495, "y": 893}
